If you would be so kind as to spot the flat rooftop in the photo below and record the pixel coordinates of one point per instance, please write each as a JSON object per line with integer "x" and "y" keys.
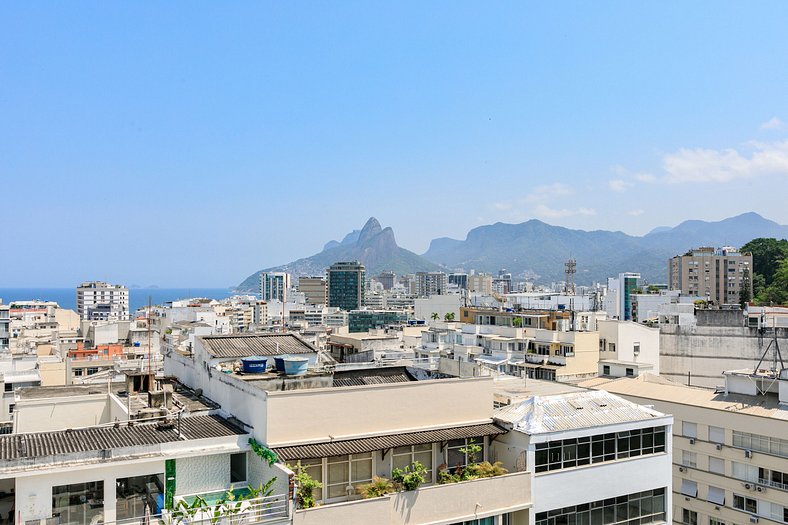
{"x": 651, "y": 387}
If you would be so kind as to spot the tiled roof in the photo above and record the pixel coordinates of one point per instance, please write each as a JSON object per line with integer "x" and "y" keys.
{"x": 41, "y": 444}
{"x": 257, "y": 344}
{"x": 371, "y": 444}
{"x": 545, "y": 414}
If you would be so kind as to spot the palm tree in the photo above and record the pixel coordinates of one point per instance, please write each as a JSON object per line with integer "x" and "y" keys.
{"x": 449, "y": 317}
{"x": 435, "y": 316}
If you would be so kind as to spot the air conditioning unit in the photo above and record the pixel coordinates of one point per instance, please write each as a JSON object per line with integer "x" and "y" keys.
{"x": 747, "y": 486}
{"x": 682, "y": 469}
{"x": 719, "y": 446}
{"x": 748, "y": 453}
{"x": 753, "y": 519}
{"x": 760, "y": 488}
{"x": 692, "y": 441}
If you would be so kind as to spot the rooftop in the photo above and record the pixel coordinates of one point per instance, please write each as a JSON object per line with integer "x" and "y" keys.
{"x": 229, "y": 346}
{"x": 651, "y": 387}
{"x": 572, "y": 411}
{"x": 94, "y": 439}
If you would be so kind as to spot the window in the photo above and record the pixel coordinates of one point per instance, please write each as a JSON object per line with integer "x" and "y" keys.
{"x": 611, "y": 347}
{"x": 78, "y": 504}
{"x": 314, "y": 467}
{"x": 689, "y": 517}
{"x": 636, "y": 348}
{"x": 238, "y": 467}
{"x": 744, "y": 471}
{"x": 716, "y": 465}
{"x": 640, "y": 507}
{"x": 630, "y": 372}
{"x": 406, "y": 456}
{"x": 346, "y": 473}
{"x": 689, "y": 459}
{"x": 715, "y": 521}
{"x": 766, "y": 444}
{"x": 457, "y": 458}
{"x": 716, "y": 434}
{"x": 689, "y": 488}
{"x": 606, "y": 370}
{"x": 689, "y": 429}
{"x": 11, "y": 408}
{"x": 716, "y": 496}
{"x": 9, "y": 387}
{"x": 136, "y": 493}
{"x": 744, "y": 503}
{"x": 569, "y": 453}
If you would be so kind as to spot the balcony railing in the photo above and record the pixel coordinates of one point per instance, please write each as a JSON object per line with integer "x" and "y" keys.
{"x": 249, "y": 512}
{"x": 452, "y": 502}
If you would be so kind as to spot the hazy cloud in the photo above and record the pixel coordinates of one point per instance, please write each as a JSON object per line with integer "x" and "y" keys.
{"x": 545, "y": 211}
{"x": 619, "y": 184}
{"x": 711, "y": 165}
{"x": 772, "y": 123}
{"x": 636, "y": 213}
{"x": 548, "y": 191}
{"x": 645, "y": 177}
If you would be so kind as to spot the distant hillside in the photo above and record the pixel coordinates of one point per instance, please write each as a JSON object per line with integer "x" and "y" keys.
{"x": 539, "y": 248}
{"x": 374, "y": 246}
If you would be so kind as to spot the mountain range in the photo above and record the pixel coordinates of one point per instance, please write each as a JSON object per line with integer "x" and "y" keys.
{"x": 536, "y": 250}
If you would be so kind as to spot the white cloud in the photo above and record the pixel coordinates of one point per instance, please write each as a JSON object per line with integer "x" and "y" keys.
{"x": 543, "y": 210}
{"x": 645, "y": 177}
{"x": 772, "y": 123}
{"x": 710, "y": 165}
{"x": 636, "y": 213}
{"x": 548, "y": 191}
{"x": 619, "y": 184}
{"x": 502, "y": 206}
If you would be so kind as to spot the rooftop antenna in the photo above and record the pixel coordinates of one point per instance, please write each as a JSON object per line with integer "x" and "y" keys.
{"x": 776, "y": 354}
{"x": 570, "y": 268}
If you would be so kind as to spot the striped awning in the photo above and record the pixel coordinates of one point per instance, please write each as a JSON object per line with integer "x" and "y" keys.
{"x": 371, "y": 444}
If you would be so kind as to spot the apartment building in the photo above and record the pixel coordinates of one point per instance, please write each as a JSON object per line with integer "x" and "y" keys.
{"x": 431, "y": 283}
{"x": 365, "y": 320}
{"x": 346, "y": 285}
{"x": 596, "y": 458}
{"x": 387, "y": 279}
{"x": 627, "y": 348}
{"x": 5, "y": 327}
{"x": 480, "y": 283}
{"x": 274, "y": 286}
{"x": 730, "y": 446}
{"x": 714, "y": 274}
{"x": 314, "y": 289}
{"x": 100, "y": 301}
{"x": 618, "y": 297}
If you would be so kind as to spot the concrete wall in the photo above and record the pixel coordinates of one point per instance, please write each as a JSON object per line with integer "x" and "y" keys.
{"x": 733, "y": 318}
{"x": 707, "y": 351}
{"x": 39, "y": 415}
{"x": 199, "y": 475}
{"x": 336, "y": 413}
{"x": 625, "y": 334}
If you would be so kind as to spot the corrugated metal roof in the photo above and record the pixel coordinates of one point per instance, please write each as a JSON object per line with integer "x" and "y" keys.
{"x": 373, "y": 376}
{"x": 257, "y": 344}
{"x": 371, "y": 444}
{"x": 40, "y": 444}
{"x": 545, "y": 414}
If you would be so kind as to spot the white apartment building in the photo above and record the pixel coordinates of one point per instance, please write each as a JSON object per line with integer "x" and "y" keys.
{"x": 596, "y": 458}
{"x": 627, "y": 348}
{"x": 274, "y": 286}
{"x": 5, "y": 326}
{"x": 431, "y": 283}
{"x": 100, "y": 301}
{"x": 730, "y": 446}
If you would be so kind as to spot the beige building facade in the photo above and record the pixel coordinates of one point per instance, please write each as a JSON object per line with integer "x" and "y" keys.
{"x": 716, "y": 274}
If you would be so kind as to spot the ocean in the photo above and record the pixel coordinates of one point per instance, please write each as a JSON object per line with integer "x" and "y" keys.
{"x": 138, "y": 297}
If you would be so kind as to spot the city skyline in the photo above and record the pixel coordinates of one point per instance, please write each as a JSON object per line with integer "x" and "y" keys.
{"x": 188, "y": 146}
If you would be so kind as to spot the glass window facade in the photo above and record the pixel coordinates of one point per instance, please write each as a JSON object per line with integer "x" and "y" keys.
{"x": 345, "y": 472}
{"x": 405, "y": 456}
{"x": 79, "y": 503}
{"x": 139, "y": 495}
{"x": 457, "y": 458}
{"x": 766, "y": 444}
{"x": 633, "y": 509}
{"x": 568, "y": 453}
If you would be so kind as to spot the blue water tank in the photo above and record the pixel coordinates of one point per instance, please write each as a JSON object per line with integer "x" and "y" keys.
{"x": 254, "y": 364}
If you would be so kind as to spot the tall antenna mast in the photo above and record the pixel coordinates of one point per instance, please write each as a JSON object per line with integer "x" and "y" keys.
{"x": 570, "y": 268}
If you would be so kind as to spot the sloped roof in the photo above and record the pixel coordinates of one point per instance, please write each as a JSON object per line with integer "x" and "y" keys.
{"x": 371, "y": 444}
{"x": 255, "y": 344}
{"x": 576, "y": 410}
{"x": 42, "y": 444}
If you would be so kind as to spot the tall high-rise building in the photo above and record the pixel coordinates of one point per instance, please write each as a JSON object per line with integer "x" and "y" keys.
{"x": 460, "y": 279}
{"x": 618, "y": 300}
{"x": 274, "y": 286}
{"x": 480, "y": 283}
{"x": 346, "y": 285}
{"x": 431, "y": 283}
{"x": 386, "y": 279}
{"x": 716, "y": 274}
{"x": 5, "y": 323}
{"x": 100, "y": 301}
{"x": 313, "y": 288}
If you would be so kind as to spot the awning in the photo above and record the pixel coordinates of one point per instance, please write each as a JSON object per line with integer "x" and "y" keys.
{"x": 716, "y": 496}
{"x": 371, "y": 444}
{"x": 689, "y": 488}
{"x": 492, "y": 360}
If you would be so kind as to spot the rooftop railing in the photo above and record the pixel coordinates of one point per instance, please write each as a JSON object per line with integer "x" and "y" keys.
{"x": 244, "y": 512}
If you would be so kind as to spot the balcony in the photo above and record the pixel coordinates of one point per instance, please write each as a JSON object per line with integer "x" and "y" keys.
{"x": 453, "y": 502}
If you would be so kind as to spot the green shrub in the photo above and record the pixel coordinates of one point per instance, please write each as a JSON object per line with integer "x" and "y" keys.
{"x": 410, "y": 477}
{"x": 378, "y": 487}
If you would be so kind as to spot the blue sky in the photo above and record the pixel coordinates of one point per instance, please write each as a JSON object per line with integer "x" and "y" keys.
{"x": 189, "y": 144}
